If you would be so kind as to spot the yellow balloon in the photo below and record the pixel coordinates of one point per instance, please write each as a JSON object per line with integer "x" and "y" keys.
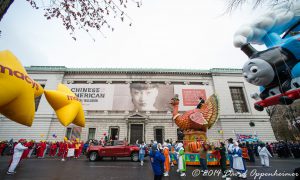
{"x": 65, "y": 138}
{"x": 67, "y": 106}
{"x": 17, "y": 91}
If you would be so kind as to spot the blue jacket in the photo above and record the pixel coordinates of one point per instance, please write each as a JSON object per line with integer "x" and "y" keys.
{"x": 157, "y": 162}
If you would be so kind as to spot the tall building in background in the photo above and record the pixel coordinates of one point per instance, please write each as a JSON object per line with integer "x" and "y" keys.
{"x": 134, "y": 104}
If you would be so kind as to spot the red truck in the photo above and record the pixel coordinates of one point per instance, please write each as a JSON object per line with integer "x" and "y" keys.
{"x": 114, "y": 149}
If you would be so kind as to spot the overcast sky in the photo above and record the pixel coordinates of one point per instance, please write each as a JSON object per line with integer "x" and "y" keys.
{"x": 182, "y": 34}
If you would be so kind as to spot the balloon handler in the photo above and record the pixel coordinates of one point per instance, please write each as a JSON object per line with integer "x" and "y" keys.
{"x": 18, "y": 151}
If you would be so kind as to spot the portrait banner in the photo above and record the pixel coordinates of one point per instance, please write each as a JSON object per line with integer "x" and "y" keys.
{"x": 124, "y": 97}
{"x": 143, "y": 97}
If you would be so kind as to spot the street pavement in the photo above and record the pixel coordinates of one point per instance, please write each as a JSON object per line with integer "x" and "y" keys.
{"x": 124, "y": 169}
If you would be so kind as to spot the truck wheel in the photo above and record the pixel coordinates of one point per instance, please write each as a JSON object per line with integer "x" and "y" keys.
{"x": 93, "y": 156}
{"x": 258, "y": 107}
{"x": 135, "y": 157}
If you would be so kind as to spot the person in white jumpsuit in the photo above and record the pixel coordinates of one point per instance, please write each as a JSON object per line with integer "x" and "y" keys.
{"x": 18, "y": 151}
{"x": 264, "y": 155}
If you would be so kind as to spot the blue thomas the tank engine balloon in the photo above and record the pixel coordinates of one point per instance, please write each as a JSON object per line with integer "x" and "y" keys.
{"x": 277, "y": 69}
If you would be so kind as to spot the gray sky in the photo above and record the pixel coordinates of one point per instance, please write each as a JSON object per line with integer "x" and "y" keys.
{"x": 184, "y": 34}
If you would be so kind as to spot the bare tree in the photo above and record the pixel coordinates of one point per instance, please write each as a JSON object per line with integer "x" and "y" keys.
{"x": 81, "y": 14}
{"x": 283, "y": 120}
{"x": 234, "y": 4}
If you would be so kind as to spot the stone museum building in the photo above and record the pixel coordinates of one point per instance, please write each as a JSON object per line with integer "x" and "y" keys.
{"x": 135, "y": 104}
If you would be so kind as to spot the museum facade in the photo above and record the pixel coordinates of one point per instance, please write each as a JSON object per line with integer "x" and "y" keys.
{"x": 108, "y": 103}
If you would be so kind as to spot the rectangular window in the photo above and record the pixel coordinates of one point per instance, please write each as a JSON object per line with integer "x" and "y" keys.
{"x": 92, "y": 132}
{"x": 38, "y": 99}
{"x": 68, "y": 133}
{"x": 238, "y": 99}
{"x": 159, "y": 135}
{"x": 114, "y": 133}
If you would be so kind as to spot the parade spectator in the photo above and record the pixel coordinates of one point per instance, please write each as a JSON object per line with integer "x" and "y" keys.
{"x": 157, "y": 162}
{"x": 222, "y": 150}
{"x": 18, "y": 151}
{"x": 273, "y": 146}
{"x": 230, "y": 151}
{"x": 176, "y": 151}
{"x": 142, "y": 151}
{"x": 203, "y": 156}
{"x": 44, "y": 148}
{"x": 38, "y": 150}
{"x": 181, "y": 160}
{"x": 81, "y": 148}
{"x": 64, "y": 149}
{"x": 201, "y": 101}
{"x": 250, "y": 152}
{"x": 28, "y": 144}
{"x": 167, "y": 159}
{"x": 255, "y": 147}
{"x": 32, "y": 146}
{"x": 2, "y": 147}
{"x": 173, "y": 155}
{"x": 295, "y": 148}
{"x": 238, "y": 161}
{"x": 85, "y": 146}
{"x": 269, "y": 148}
{"x": 245, "y": 154}
{"x": 77, "y": 148}
{"x": 41, "y": 147}
{"x": 53, "y": 149}
{"x": 297, "y": 171}
{"x": 264, "y": 155}
{"x": 287, "y": 152}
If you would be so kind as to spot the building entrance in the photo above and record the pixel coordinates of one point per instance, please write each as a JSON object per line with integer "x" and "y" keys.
{"x": 136, "y": 133}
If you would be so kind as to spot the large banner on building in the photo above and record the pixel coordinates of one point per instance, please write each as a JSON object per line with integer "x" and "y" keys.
{"x": 94, "y": 96}
{"x": 143, "y": 97}
{"x": 246, "y": 137}
{"x": 139, "y": 96}
{"x": 189, "y": 95}
{"x": 134, "y": 96}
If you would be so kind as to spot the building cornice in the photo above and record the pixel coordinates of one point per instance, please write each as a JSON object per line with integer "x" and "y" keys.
{"x": 60, "y": 69}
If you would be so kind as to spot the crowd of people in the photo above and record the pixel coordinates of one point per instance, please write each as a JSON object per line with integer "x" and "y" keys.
{"x": 162, "y": 156}
{"x": 237, "y": 153}
{"x": 41, "y": 148}
{"x": 30, "y": 149}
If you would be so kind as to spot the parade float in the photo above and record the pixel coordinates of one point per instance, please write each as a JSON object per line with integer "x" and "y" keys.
{"x": 276, "y": 70}
{"x": 194, "y": 124}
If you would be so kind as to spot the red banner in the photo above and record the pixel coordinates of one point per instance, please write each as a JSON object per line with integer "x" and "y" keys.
{"x": 191, "y": 96}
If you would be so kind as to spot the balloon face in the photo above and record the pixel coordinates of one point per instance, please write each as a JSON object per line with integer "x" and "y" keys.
{"x": 17, "y": 90}
{"x": 67, "y": 106}
{"x": 258, "y": 72}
